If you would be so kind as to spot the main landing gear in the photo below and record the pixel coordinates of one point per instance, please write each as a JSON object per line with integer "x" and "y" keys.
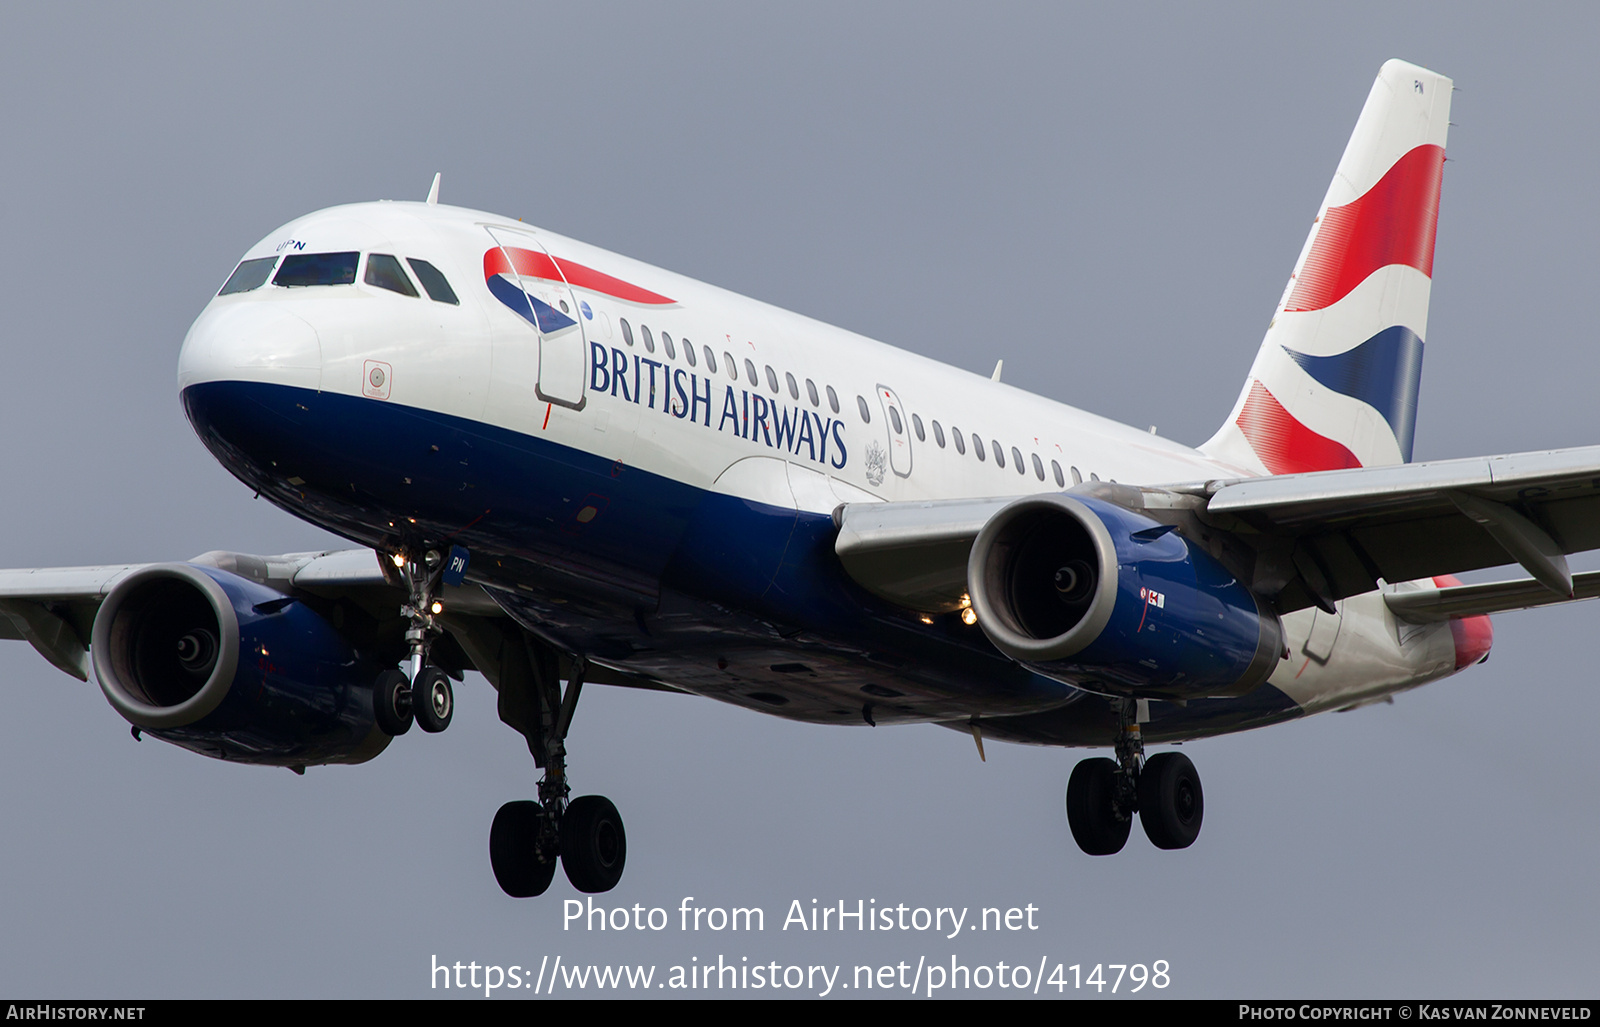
{"x": 586, "y": 833}
{"x": 1103, "y": 795}
{"x": 425, "y": 694}
{"x": 527, "y": 838}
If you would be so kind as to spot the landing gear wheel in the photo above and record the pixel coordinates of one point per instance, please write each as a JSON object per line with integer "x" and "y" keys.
{"x": 432, "y": 700}
{"x": 1092, "y": 809}
{"x": 1171, "y": 804}
{"x": 514, "y": 852}
{"x": 391, "y": 702}
{"x": 593, "y": 845}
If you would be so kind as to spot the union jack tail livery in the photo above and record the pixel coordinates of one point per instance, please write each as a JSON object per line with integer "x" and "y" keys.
{"x": 1335, "y": 382}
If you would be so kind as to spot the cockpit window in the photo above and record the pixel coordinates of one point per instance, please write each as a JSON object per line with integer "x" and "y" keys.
{"x": 433, "y": 281}
{"x": 317, "y": 269}
{"x": 386, "y": 273}
{"x": 250, "y": 274}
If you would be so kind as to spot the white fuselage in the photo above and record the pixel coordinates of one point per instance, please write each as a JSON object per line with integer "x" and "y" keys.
{"x": 778, "y": 439}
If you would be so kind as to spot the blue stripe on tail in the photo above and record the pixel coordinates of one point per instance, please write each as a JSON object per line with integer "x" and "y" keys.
{"x": 1384, "y": 372}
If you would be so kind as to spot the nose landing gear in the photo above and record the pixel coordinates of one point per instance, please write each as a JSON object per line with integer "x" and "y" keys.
{"x": 1104, "y": 795}
{"x": 425, "y": 695}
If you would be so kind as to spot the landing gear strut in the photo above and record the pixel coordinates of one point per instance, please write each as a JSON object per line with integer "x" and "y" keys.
{"x": 585, "y": 833}
{"x": 425, "y": 694}
{"x": 1103, "y": 795}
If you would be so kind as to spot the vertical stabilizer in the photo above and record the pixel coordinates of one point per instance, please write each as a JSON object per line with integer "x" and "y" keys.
{"x": 1335, "y": 382}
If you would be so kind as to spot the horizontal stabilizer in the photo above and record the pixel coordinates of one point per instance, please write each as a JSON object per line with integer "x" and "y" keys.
{"x": 1430, "y": 605}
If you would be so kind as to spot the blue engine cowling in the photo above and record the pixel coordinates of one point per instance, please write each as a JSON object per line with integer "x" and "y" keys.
{"x": 1110, "y": 600}
{"x": 232, "y": 669}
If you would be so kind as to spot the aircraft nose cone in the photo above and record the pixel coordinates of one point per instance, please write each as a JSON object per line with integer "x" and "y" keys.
{"x": 253, "y": 342}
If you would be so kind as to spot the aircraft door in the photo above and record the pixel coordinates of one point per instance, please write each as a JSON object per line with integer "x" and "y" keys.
{"x": 529, "y": 281}
{"x": 898, "y": 425}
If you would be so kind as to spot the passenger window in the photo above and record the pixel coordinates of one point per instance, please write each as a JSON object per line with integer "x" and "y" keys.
{"x": 811, "y": 390}
{"x": 833, "y": 399}
{"x": 894, "y": 419}
{"x": 938, "y": 434}
{"x": 300, "y": 269}
{"x": 1016, "y": 461}
{"x": 861, "y": 405}
{"x": 688, "y": 351}
{"x": 250, "y": 274}
{"x": 711, "y": 359}
{"x": 1093, "y": 476}
{"x": 666, "y": 342}
{"x": 385, "y": 272}
{"x": 916, "y": 424}
{"x": 627, "y": 330}
{"x": 733, "y": 368}
{"x": 977, "y": 445}
{"x": 433, "y": 282}
{"x": 999, "y": 455}
{"x": 794, "y": 390}
{"x": 1077, "y": 477}
{"x": 649, "y": 340}
{"x": 772, "y": 380}
{"x": 1055, "y": 468}
{"x": 1038, "y": 467}
{"x": 750, "y": 372}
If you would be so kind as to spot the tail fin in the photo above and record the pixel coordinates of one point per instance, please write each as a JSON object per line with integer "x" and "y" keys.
{"x": 1335, "y": 382}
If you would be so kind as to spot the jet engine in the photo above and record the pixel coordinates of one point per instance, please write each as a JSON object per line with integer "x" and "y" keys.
{"x": 1113, "y": 601}
{"x": 232, "y": 669}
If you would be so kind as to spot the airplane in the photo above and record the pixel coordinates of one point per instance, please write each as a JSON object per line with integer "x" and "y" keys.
{"x": 561, "y": 467}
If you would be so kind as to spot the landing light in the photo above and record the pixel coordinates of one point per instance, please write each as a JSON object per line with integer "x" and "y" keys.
{"x": 969, "y": 616}
{"x": 966, "y": 601}
{"x": 399, "y": 559}
{"x": 437, "y": 607}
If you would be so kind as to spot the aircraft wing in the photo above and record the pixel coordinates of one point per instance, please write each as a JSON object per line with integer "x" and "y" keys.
{"x": 1303, "y": 539}
{"x": 53, "y": 608}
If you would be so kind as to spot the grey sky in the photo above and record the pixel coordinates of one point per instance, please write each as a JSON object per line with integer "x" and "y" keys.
{"x": 1111, "y": 201}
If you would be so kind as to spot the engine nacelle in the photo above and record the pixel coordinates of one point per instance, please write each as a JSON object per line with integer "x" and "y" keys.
{"x": 1105, "y": 598}
{"x": 232, "y": 669}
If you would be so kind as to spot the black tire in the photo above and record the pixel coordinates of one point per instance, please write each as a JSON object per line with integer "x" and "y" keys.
{"x": 1091, "y": 808}
{"x": 513, "y": 851}
{"x": 433, "y": 701}
{"x": 593, "y": 845}
{"x": 1171, "y": 804}
{"x": 391, "y": 702}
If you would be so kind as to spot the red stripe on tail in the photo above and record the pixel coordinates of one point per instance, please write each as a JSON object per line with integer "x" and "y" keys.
{"x": 1284, "y": 445}
{"x": 1394, "y": 222}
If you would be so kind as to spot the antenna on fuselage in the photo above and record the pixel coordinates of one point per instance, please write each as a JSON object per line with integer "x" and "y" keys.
{"x": 998, "y": 364}
{"x": 433, "y": 190}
